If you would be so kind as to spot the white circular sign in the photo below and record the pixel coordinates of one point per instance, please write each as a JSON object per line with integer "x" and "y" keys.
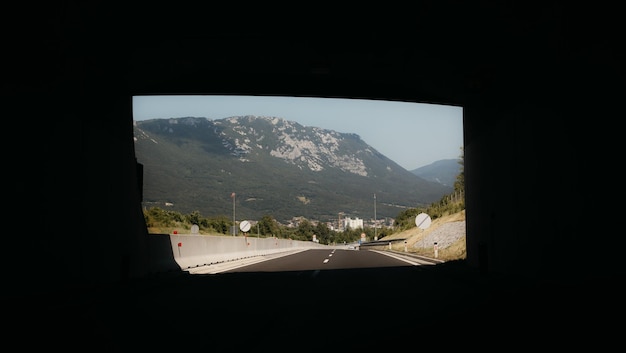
{"x": 422, "y": 221}
{"x": 244, "y": 226}
{"x": 195, "y": 229}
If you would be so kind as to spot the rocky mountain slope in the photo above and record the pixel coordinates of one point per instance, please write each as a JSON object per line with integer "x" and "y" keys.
{"x": 253, "y": 166}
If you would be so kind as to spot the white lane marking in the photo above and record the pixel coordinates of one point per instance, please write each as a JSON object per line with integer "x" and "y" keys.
{"x": 326, "y": 260}
{"x": 418, "y": 263}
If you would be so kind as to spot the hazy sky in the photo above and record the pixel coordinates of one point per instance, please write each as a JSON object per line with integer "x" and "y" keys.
{"x": 411, "y": 134}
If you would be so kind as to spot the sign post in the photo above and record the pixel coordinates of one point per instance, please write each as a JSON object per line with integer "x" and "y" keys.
{"x": 422, "y": 221}
{"x": 245, "y": 227}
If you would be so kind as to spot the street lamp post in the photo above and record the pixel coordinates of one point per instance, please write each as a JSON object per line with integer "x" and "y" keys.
{"x": 234, "y": 221}
{"x": 375, "y": 233}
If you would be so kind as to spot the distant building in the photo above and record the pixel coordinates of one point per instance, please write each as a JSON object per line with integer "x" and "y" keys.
{"x": 352, "y": 223}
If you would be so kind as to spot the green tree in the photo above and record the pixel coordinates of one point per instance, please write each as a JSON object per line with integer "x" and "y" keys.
{"x": 268, "y": 226}
{"x": 323, "y": 233}
{"x": 304, "y": 231}
{"x": 459, "y": 184}
{"x": 193, "y": 218}
{"x": 221, "y": 224}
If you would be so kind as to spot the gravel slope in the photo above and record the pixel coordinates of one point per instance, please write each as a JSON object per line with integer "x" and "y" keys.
{"x": 448, "y": 232}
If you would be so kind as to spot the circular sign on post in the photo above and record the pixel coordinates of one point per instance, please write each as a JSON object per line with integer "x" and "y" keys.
{"x": 244, "y": 226}
{"x": 422, "y": 221}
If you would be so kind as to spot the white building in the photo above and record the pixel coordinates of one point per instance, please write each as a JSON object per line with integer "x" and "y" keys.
{"x": 352, "y": 223}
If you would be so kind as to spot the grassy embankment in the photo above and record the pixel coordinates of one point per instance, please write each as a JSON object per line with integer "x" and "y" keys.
{"x": 415, "y": 236}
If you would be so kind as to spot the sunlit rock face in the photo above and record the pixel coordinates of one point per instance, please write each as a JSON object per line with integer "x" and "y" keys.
{"x": 307, "y": 147}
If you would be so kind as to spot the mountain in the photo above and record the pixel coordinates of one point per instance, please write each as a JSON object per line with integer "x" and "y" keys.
{"x": 443, "y": 171}
{"x": 274, "y": 167}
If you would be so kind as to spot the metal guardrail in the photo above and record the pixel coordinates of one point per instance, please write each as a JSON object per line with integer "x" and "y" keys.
{"x": 380, "y": 242}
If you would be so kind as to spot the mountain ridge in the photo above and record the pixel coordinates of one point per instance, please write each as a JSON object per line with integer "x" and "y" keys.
{"x": 274, "y": 167}
{"x": 443, "y": 171}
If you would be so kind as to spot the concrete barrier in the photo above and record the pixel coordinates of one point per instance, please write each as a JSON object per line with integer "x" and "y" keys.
{"x": 192, "y": 250}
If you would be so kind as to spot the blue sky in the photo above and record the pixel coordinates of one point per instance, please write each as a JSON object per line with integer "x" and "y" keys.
{"x": 411, "y": 134}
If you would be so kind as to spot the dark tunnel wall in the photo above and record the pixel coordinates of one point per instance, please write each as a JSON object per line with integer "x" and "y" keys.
{"x": 523, "y": 76}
